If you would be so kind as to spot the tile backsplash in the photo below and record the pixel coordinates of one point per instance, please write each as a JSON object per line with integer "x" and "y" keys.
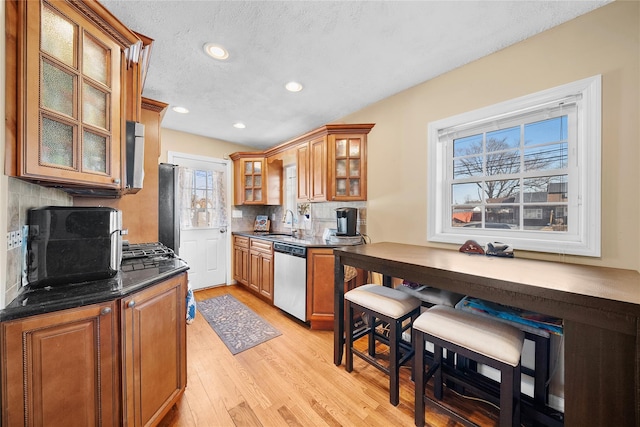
{"x": 321, "y": 216}
{"x": 22, "y": 197}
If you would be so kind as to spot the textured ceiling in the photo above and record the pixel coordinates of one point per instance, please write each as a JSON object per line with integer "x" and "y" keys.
{"x": 347, "y": 54}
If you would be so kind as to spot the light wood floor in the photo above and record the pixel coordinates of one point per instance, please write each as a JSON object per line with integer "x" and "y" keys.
{"x": 291, "y": 381}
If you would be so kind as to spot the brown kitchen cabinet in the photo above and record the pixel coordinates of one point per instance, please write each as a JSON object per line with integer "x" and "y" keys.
{"x": 348, "y": 167}
{"x": 154, "y": 351}
{"x": 65, "y": 62}
{"x": 320, "y": 287}
{"x": 257, "y": 181}
{"x": 241, "y": 259}
{"x": 62, "y": 368}
{"x": 261, "y": 268}
{"x": 312, "y": 170}
{"x": 121, "y": 362}
{"x": 332, "y": 163}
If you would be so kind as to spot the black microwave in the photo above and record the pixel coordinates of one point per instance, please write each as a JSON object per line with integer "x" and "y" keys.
{"x": 72, "y": 244}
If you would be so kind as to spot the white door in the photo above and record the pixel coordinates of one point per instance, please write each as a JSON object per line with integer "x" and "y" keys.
{"x": 204, "y": 187}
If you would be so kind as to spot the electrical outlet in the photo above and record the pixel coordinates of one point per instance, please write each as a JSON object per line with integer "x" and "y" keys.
{"x": 14, "y": 239}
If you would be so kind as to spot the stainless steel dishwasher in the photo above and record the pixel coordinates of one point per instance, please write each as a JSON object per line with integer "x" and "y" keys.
{"x": 290, "y": 279}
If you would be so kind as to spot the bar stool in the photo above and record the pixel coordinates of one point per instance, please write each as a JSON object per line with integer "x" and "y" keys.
{"x": 382, "y": 305}
{"x": 482, "y": 339}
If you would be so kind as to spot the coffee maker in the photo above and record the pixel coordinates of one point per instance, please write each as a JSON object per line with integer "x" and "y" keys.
{"x": 346, "y": 221}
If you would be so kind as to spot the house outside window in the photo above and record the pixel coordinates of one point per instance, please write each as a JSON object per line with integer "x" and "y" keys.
{"x": 524, "y": 172}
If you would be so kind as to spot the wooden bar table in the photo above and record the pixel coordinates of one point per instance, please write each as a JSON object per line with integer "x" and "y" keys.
{"x": 600, "y": 307}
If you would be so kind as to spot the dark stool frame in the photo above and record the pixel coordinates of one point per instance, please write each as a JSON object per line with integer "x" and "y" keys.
{"x": 510, "y": 377}
{"x": 400, "y": 351}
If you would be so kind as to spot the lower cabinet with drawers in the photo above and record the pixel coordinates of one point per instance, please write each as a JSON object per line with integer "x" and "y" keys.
{"x": 121, "y": 362}
{"x": 253, "y": 265}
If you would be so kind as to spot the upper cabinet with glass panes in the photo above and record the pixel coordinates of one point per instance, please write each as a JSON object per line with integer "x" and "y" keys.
{"x": 348, "y": 169}
{"x": 332, "y": 163}
{"x": 257, "y": 179}
{"x": 69, "y": 59}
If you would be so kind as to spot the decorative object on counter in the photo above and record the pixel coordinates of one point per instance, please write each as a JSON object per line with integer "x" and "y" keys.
{"x": 472, "y": 247}
{"x": 262, "y": 223}
{"x": 303, "y": 209}
{"x": 499, "y": 249}
{"x": 236, "y": 325}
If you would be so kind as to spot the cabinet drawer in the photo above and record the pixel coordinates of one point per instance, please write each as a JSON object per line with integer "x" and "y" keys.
{"x": 241, "y": 241}
{"x": 261, "y": 245}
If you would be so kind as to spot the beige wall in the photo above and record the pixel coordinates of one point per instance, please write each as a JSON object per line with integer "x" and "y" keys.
{"x": 605, "y": 42}
{"x": 182, "y": 142}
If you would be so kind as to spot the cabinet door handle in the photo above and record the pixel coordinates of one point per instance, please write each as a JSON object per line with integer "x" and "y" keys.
{"x": 105, "y": 311}
{"x": 131, "y": 304}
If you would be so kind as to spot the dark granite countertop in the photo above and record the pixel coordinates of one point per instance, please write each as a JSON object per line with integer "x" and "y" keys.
{"x": 308, "y": 242}
{"x": 30, "y": 302}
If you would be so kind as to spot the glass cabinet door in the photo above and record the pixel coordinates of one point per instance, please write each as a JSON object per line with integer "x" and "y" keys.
{"x": 73, "y": 129}
{"x": 348, "y": 167}
{"x": 253, "y": 181}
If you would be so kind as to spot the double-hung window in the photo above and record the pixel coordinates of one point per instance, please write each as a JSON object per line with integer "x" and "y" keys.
{"x": 524, "y": 172}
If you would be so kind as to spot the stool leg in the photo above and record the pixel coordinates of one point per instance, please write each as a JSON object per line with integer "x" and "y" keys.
{"x": 349, "y": 339}
{"x": 372, "y": 335}
{"x": 517, "y": 378}
{"x": 418, "y": 366}
{"x": 507, "y": 379}
{"x": 437, "y": 379}
{"x": 395, "y": 333}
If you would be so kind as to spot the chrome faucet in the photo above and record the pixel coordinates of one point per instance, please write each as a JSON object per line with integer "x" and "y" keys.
{"x": 284, "y": 219}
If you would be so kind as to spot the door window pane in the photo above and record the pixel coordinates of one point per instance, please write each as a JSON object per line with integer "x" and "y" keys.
{"x": 94, "y": 106}
{"x": 354, "y": 167}
{"x": 341, "y": 148}
{"x": 57, "y": 143}
{"x": 354, "y": 148}
{"x": 354, "y": 187}
{"x": 57, "y": 89}
{"x": 58, "y": 37}
{"x": 94, "y": 152}
{"x": 95, "y": 60}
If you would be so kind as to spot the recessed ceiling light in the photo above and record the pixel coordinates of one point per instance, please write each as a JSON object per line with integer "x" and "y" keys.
{"x": 216, "y": 51}
{"x": 180, "y": 110}
{"x": 239, "y": 125}
{"x": 293, "y": 87}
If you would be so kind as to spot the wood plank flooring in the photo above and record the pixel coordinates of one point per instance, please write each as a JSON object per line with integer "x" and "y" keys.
{"x": 291, "y": 381}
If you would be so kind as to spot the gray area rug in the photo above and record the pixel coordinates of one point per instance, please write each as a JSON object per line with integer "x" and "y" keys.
{"x": 235, "y": 323}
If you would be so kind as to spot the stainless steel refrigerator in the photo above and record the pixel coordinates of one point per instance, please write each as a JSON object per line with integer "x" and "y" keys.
{"x": 168, "y": 208}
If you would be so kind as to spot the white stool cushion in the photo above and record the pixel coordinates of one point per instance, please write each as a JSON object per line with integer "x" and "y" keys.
{"x": 433, "y": 296}
{"x": 488, "y": 337}
{"x": 381, "y": 299}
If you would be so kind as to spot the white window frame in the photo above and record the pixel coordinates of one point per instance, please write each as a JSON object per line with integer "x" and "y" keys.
{"x": 583, "y": 237}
